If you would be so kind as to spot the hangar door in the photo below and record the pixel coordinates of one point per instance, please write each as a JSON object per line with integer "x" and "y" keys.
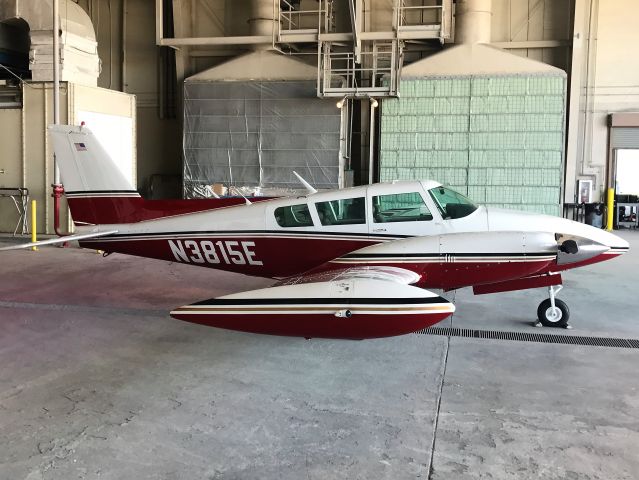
{"x": 623, "y": 167}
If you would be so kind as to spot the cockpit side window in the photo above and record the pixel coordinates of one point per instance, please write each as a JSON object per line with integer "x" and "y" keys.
{"x": 293, "y": 216}
{"x": 400, "y": 207}
{"x": 451, "y": 204}
{"x": 346, "y": 211}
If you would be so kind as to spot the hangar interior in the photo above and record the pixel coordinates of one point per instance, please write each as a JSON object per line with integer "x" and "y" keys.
{"x": 516, "y": 103}
{"x": 531, "y": 105}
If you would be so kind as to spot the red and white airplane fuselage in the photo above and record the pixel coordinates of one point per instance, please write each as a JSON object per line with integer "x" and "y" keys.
{"x": 351, "y": 263}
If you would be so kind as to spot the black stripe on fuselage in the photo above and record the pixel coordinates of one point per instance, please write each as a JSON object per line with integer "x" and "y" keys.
{"x": 99, "y": 192}
{"x": 322, "y": 301}
{"x": 124, "y": 236}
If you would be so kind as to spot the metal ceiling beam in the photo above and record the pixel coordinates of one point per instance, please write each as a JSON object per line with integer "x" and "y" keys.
{"x": 232, "y": 40}
{"x": 533, "y": 44}
{"x": 345, "y": 37}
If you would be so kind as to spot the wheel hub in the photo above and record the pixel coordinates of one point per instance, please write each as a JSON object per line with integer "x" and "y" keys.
{"x": 553, "y": 314}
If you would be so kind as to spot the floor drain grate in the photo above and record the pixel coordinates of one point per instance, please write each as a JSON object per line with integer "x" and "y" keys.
{"x": 531, "y": 337}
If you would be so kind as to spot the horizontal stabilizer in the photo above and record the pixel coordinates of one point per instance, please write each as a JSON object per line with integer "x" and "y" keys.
{"x": 53, "y": 241}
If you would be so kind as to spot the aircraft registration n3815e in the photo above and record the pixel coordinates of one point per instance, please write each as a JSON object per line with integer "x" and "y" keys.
{"x": 350, "y": 263}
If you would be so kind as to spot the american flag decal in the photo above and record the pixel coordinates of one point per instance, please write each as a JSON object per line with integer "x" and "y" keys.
{"x": 80, "y": 147}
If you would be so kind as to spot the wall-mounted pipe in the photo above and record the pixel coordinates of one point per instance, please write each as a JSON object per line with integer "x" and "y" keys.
{"x": 56, "y": 79}
{"x": 57, "y": 186}
{"x": 371, "y": 140}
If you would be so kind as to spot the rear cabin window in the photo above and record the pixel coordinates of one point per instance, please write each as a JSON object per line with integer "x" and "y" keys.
{"x": 346, "y": 211}
{"x": 400, "y": 207}
{"x": 293, "y": 216}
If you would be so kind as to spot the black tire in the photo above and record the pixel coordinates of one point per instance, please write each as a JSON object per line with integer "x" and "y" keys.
{"x": 544, "y": 314}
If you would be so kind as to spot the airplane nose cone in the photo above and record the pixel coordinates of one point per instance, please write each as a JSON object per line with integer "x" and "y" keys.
{"x": 590, "y": 241}
{"x": 578, "y": 242}
{"x": 609, "y": 239}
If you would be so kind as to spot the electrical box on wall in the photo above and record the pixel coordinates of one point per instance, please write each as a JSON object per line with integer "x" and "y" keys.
{"x": 584, "y": 189}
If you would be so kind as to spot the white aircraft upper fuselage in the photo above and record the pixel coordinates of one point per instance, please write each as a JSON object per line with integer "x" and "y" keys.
{"x": 259, "y": 221}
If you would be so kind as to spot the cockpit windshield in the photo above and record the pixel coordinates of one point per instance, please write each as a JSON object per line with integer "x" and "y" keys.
{"x": 451, "y": 204}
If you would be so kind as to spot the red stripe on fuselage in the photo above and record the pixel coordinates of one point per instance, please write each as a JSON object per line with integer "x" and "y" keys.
{"x": 279, "y": 257}
{"x": 357, "y": 327}
{"x": 451, "y": 275}
{"x": 569, "y": 266}
{"x": 111, "y": 210}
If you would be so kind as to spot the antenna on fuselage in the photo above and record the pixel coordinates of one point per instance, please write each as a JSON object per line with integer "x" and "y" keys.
{"x": 248, "y": 202}
{"x": 309, "y": 188}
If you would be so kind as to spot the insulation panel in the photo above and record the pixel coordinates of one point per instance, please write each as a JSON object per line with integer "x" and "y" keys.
{"x": 499, "y": 139}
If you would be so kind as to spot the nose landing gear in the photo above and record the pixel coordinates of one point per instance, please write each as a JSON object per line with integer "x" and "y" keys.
{"x": 553, "y": 312}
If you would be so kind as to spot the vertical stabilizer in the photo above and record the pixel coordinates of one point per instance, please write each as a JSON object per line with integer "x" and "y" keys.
{"x": 96, "y": 189}
{"x": 85, "y": 166}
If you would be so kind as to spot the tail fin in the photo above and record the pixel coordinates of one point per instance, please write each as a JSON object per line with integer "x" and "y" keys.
{"x": 96, "y": 190}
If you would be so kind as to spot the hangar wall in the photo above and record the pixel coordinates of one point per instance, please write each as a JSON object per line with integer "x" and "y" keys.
{"x": 539, "y": 29}
{"x": 605, "y": 79}
{"x": 131, "y": 63}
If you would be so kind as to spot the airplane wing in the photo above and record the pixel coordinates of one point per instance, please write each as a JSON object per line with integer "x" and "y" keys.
{"x": 349, "y": 303}
{"x": 391, "y": 274}
{"x": 53, "y": 241}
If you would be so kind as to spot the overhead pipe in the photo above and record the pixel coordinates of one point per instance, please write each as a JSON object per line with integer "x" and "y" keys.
{"x": 262, "y": 23}
{"x": 473, "y": 21}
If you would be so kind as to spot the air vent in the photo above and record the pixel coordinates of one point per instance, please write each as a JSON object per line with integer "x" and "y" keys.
{"x": 531, "y": 337}
{"x": 10, "y": 97}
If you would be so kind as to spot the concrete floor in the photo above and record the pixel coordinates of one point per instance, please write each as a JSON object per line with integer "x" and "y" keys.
{"x": 97, "y": 381}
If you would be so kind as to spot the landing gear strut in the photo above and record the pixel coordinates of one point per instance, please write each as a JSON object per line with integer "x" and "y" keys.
{"x": 553, "y": 312}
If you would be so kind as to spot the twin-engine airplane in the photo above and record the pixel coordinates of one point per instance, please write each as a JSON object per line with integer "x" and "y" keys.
{"x": 351, "y": 263}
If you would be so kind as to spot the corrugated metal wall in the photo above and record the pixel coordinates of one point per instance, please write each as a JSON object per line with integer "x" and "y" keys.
{"x": 498, "y": 139}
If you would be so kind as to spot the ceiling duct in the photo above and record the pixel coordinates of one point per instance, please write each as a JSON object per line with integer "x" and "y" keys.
{"x": 473, "y": 21}
{"x": 79, "y": 61}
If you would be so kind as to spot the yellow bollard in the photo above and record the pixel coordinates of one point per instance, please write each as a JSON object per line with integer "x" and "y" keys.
{"x": 610, "y": 203}
{"x": 34, "y": 237}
